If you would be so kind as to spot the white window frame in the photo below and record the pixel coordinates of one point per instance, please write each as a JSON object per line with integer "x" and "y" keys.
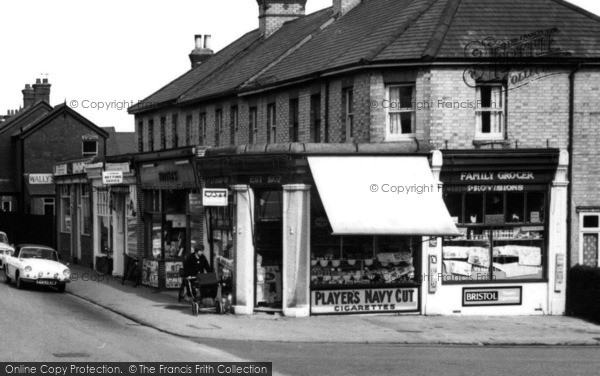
{"x": 272, "y": 122}
{"x": 395, "y": 109}
{"x": 253, "y": 115}
{"x": 89, "y": 154}
{"x": 588, "y": 230}
{"x": 202, "y": 128}
{"x": 497, "y": 108}
{"x": 65, "y": 193}
{"x": 9, "y": 205}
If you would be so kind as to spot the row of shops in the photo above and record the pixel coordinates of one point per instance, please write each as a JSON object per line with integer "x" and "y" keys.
{"x": 332, "y": 229}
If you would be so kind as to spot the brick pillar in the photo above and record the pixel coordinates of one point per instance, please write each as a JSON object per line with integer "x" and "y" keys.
{"x": 296, "y": 250}
{"x": 243, "y": 250}
{"x": 557, "y": 238}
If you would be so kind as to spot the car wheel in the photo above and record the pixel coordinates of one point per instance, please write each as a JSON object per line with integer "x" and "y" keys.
{"x": 20, "y": 284}
{"x": 6, "y": 277}
{"x": 61, "y": 288}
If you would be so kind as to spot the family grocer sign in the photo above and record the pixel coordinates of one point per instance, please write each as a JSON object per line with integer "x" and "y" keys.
{"x": 364, "y": 300}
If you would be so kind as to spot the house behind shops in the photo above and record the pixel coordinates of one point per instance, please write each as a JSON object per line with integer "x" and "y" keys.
{"x": 506, "y": 94}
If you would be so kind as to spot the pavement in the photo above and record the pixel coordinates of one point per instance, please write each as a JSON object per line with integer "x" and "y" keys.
{"x": 160, "y": 310}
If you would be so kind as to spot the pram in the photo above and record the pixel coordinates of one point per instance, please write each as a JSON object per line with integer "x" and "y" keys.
{"x": 207, "y": 293}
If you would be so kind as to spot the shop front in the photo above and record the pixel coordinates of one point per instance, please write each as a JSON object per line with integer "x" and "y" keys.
{"x": 510, "y": 209}
{"x": 172, "y": 222}
{"x": 327, "y": 229}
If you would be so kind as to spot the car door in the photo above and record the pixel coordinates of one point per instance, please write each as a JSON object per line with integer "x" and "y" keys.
{"x": 10, "y": 263}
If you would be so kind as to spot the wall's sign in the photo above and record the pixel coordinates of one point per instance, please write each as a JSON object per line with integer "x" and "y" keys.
{"x": 41, "y": 179}
{"x": 401, "y": 299}
{"x": 492, "y": 296}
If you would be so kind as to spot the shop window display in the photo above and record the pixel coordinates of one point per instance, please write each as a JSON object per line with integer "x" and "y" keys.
{"x": 359, "y": 259}
{"x": 507, "y": 244}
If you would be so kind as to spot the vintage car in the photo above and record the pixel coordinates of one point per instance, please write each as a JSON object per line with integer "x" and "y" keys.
{"x": 36, "y": 264}
{"x": 5, "y": 248}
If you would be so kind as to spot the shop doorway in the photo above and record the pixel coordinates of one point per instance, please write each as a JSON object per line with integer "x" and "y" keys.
{"x": 268, "y": 245}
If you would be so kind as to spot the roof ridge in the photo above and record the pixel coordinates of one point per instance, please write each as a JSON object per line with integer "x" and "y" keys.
{"x": 441, "y": 30}
{"x": 290, "y": 50}
{"x": 220, "y": 68}
{"x": 22, "y": 113}
{"x": 578, "y": 9}
{"x": 398, "y": 31}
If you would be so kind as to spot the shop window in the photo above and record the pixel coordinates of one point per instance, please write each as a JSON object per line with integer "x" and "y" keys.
{"x": 508, "y": 244}
{"x": 315, "y": 118}
{"x": 454, "y": 205}
{"x": 490, "y": 118}
{"x": 65, "y": 208}
{"x": 202, "y": 130}
{"x": 294, "y": 119}
{"x": 175, "y": 130}
{"x": 253, "y": 125}
{"x": 348, "y": 114}
{"x": 86, "y": 215}
{"x": 174, "y": 201}
{"x": 131, "y": 223}
{"x": 233, "y": 125}
{"x": 401, "y": 114}
{"x": 359, "y": 259}
{"x": 155, "y": 221}
{"x": 6, "y": 206}
{"x": 271, "y": 123}
{"x": 90, "y": 148}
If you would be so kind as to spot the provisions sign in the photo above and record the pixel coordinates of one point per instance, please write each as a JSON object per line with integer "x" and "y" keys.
{"x": 112, "y": 177}
{"x": 365, "y": 300}
{"x": 492, "y": 296}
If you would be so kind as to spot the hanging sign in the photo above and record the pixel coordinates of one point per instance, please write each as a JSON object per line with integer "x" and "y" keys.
{"x": 214, "y": 196}
{"x": 112, "y": 177}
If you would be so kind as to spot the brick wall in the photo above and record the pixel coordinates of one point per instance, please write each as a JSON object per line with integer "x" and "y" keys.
{"x": 586, "y": 150}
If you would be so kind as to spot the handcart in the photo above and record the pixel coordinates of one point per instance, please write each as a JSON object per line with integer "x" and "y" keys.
{"x": 208, "y": 294}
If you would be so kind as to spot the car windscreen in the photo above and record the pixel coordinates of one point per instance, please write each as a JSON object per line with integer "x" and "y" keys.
{"x": 3, "y": 238}
{"x": 38, "y": 253}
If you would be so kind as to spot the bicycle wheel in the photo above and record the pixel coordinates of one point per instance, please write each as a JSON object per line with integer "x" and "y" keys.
{"x": 103, "y": 267}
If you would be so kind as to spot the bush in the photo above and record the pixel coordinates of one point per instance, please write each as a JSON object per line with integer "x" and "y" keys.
{"x": 583, "y": 292}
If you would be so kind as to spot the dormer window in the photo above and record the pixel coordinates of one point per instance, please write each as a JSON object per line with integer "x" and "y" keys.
{"x": 90, "y": 147}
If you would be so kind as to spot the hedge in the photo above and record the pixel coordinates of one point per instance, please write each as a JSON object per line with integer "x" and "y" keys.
{"x": 583, "y": 293}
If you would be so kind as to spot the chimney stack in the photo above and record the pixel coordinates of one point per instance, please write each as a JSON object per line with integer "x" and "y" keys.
{"x": 273, "y": 13}
{"x": 28, "y": 96}
{"x": 200, "y": 53}
{"x": 41, "y": 90}
{"x": 342, "y": 7}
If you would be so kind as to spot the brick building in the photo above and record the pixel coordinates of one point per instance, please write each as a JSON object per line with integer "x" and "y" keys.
{"x": 501, "y": 97}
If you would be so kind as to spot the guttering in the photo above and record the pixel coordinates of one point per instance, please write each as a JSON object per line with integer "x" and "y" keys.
{"x": 570, "y": 166}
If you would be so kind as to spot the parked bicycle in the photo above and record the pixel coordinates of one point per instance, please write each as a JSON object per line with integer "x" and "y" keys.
{"x": 104, "y": 265}
{"x": 132, "y": 271}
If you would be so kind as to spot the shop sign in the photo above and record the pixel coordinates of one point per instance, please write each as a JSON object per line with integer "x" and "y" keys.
{"x": 365, "y": 300}
{"x": 214, "y": 196}
{"x": 61, "y": 169}
{"x": 559, "y": 273}
{"x": 496, "y": 177}
{"x": 195, "y": 201}
{"x": 490, "y": 296}
{"x": 123, "y": 167}
{"x": 168, "y": 175}
{"x": 41, "y": 179}
{"x": 112, "y": 177}
{"x": 91, "y": 166}
{"x": 78, "y": 167}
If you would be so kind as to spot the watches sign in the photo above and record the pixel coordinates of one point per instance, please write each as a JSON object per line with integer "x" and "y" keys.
{"x": 484, "y": 296}
{"x": 365, "y": 301}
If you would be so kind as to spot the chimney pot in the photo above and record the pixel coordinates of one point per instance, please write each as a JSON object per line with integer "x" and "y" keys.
{"x": 45, "y": 81}
{"x": 38, "y": 81}
{"x": 198, "y": 40}
{"x": 207, "y": 42}
{"x": 201, "y": 53}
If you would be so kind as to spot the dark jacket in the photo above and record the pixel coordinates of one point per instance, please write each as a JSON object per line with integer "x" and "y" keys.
{"x": 194, "y": 265}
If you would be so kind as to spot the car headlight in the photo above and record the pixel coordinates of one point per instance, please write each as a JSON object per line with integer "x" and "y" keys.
{"x": 40, "y": 274}
{"x": 66, "y": 272}
{"x": 28, "y": 269}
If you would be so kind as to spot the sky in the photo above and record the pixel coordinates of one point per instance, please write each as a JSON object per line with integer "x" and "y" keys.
{"x": 112, "y": 53}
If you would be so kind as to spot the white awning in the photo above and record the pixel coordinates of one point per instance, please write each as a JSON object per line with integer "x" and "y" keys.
{"x": 377, "y": 195}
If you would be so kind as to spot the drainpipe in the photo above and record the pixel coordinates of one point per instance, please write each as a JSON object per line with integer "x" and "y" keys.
{"x": 571, "y": 161}
{"x": 327, "y": 112}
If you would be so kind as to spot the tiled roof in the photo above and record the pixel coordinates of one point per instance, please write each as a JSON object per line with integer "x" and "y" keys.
{"x": 382, "y": 31}
{"x": 18, "y": 119}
